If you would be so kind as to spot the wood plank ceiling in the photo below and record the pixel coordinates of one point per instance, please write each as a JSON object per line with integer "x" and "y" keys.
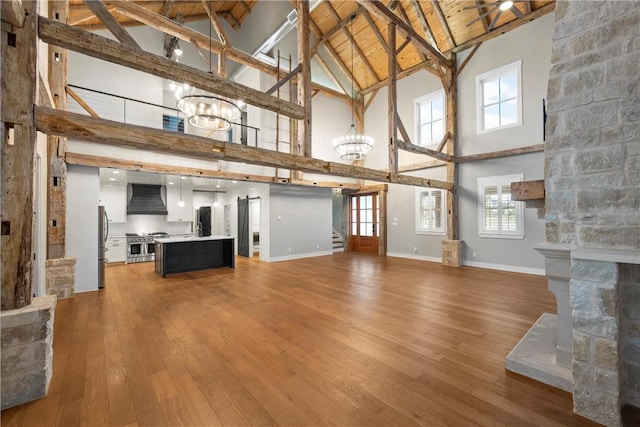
{"x": 448, "y": 25}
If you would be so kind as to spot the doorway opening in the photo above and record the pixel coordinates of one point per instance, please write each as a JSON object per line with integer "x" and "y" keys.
{"x": 364, "y": 222}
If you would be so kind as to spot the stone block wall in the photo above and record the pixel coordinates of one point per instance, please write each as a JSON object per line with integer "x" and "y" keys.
{"x": 630, "y": 325}
{"x": 592, "y": 153}
{"x": 26, "y": 359}
{"x": 596, "y": 373}
{"x": 60, "y": 277}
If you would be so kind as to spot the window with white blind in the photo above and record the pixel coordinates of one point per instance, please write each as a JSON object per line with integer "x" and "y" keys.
{"x": 498, "y": 215}
{"x": 429, "y": 118}
{"x": 499, "y": 98}
{"x": 430, "y": 211}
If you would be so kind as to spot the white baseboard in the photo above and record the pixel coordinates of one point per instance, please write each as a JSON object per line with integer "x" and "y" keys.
{"x": 503, "y": 267}
{"x": 416, "y": 257}
{"x": 297, "y": 256}
{"x": 341, "y": 249}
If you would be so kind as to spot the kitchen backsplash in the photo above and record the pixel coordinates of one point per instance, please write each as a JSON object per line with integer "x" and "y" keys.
{"x": 148, "y": 224}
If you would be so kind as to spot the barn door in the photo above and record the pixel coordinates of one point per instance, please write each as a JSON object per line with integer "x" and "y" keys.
{"x": 243, "y": 227}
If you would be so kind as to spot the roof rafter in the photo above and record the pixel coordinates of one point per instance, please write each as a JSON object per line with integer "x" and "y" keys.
{"x": 424, "y": 23}
{"x": 112, "y": 24}
{"x": 443, "y": 22}
{"x": 377, "y": 9}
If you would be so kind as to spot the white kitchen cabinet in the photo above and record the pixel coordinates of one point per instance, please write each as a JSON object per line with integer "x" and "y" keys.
{"x": 116, "y": 249}
{"x": 179, "y": 213}
{"x": 114, "y": 199}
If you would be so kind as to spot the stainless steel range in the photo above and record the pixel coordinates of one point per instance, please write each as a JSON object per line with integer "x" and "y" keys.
{"x": 141, "y": 246}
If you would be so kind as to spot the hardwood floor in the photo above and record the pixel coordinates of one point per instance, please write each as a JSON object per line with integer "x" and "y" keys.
{"x": 345, "y": 340}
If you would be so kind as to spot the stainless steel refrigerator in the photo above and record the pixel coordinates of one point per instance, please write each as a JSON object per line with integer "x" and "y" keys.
{"x": 103, "y": 234}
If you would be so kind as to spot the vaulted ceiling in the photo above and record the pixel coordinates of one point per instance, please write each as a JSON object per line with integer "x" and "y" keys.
{"x": 345, "y": 33}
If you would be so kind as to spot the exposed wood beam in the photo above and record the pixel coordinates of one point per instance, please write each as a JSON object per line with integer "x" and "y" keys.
{"x": 377, "y": 32}
{"x": 422, "y": 18}
{"x": 370, "y": 100}
{"x": 86, "y": 128}
{"x": 400, "y": 75}
{"x": 468, "y": 58}
{"x": 166, "y": 8}
{"x": 392, "y": 101}
{"x": 403, "y": 145}
{"x": 18, "y": 82}
{"x": 334, "y": 55}
{"x": 284, "y": 80}
{"x": 330, "y": 73}
{"x": 235, "y": 24}
{"x": 328, "y": 184}
{"x": 44, "y": 93}
{"x": 402, "y": 46}
{"x": 112, "y": 24}
{"x": 402, "y": 129}
{"x": 547, "y": 8}
{"x": 443, "y": 141}
{"x": 339, "y": 26}
{"x": 304, "y": 80}
{"x": 527, "y": 7}
{"x": 434, "y": 163}
{"x": 245, "y": 6}
{"x": 215, "y": 23}
{"x": 527, "y": 190}
{"x": 12, "y": 13}
{"x": 154, "y": 20}
{"x": 378, "y": 9}
{"x": 93, "y": 45}
{"x": 450, "y": 83}
{"x": 443, "y": 22}
{"x": 354, "y": 44}
{"x": 81, "y": 102}
{"x": 500, "y": 154}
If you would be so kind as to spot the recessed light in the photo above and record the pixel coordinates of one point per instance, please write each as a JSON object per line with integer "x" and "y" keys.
{"x": 112, "y": 179}
{"x": 235, "y": 182}
{"x": 171, "y": 183}
{"x": 183, "y": 177}
{"x": 116, "y": 172}
{"x": 217, "y": 186}
{"x": 506, "y": 5}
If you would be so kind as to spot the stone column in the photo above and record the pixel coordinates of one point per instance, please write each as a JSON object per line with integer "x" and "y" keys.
{"x": 452, "y": 253}
{"x": 60, "y": 277}
{"x": 596, "y": 371}
{"x": 27, "y": 352}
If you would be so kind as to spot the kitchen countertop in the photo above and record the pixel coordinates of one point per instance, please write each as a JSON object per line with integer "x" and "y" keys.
{"x": 191, "y": 239}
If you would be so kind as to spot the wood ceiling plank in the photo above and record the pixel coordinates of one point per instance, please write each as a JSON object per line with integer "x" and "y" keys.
{"x": 377, "y": 9}
{"x": 64, "y": 123}
{"x": 443, "y": 22}
{"x": 339, "y": 26}
{"x": 99, "y": 9}
{"x": 99, "y": 47}
{"x": 482, "y": 19}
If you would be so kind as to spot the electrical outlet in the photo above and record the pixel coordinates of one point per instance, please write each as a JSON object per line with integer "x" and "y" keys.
{"x": 317, "y": 246}
{"x": 415, "y": 251}
{"x": 474, "y": 254}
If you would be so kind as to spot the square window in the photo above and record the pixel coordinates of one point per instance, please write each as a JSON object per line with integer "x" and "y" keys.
{"x": 499, "y": 98}
{"x": 430, "y": 211}
{"x": 499, "y": 215}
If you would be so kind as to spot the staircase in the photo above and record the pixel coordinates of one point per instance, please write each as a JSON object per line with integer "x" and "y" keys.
{"x": 338, "y": 242}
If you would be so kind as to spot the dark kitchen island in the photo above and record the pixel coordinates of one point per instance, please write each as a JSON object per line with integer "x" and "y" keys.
{"x": 182, "y": 254}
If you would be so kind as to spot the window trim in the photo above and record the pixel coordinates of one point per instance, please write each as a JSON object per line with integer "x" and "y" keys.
{"x": 440, "y": 231}
{"x": 416, "y": 115}
{"x": 494, "y": 74}
{"x": 500, "y": 181}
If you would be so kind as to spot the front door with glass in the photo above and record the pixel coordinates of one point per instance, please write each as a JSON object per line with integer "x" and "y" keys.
{"x": 364, "y": 223}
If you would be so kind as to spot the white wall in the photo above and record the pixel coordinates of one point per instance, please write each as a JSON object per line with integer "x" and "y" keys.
{"x": 83, "y": 187}
{"x": 301, "y": 222}
{"x": 532, "y": 44}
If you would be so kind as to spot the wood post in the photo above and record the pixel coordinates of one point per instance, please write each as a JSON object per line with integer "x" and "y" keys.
{"x": 304, "y": 80}
{"x": 57, "y": 145}
{"x": 392, "y": 101}
{"x": 19, "y": 93}
{"x": 451, "y": 94}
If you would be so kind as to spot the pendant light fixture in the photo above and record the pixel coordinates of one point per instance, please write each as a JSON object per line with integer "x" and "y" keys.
{"x": 352, "y": 145}
{"x": 206, "y": 110}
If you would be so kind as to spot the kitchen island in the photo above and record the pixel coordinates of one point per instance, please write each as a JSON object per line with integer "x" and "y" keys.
{"x": 182, "y": 254}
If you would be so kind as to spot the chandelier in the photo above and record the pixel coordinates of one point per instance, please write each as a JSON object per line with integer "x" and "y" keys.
{"x": 352, "y": 145}
{"x": 207, "y": 111}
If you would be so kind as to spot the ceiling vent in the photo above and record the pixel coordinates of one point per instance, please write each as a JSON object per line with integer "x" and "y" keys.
{"x": 146, "y": 200}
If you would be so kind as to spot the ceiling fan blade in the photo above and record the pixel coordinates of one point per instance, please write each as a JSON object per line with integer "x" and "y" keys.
{"x": 494, "y": 20}
{"x": 479, "y": 17}
{"x": 479, "y": 6}
{"x": 517, "y": 12}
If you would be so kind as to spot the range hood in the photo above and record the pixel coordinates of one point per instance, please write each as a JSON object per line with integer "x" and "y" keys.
{"x": 146, "y": 200}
